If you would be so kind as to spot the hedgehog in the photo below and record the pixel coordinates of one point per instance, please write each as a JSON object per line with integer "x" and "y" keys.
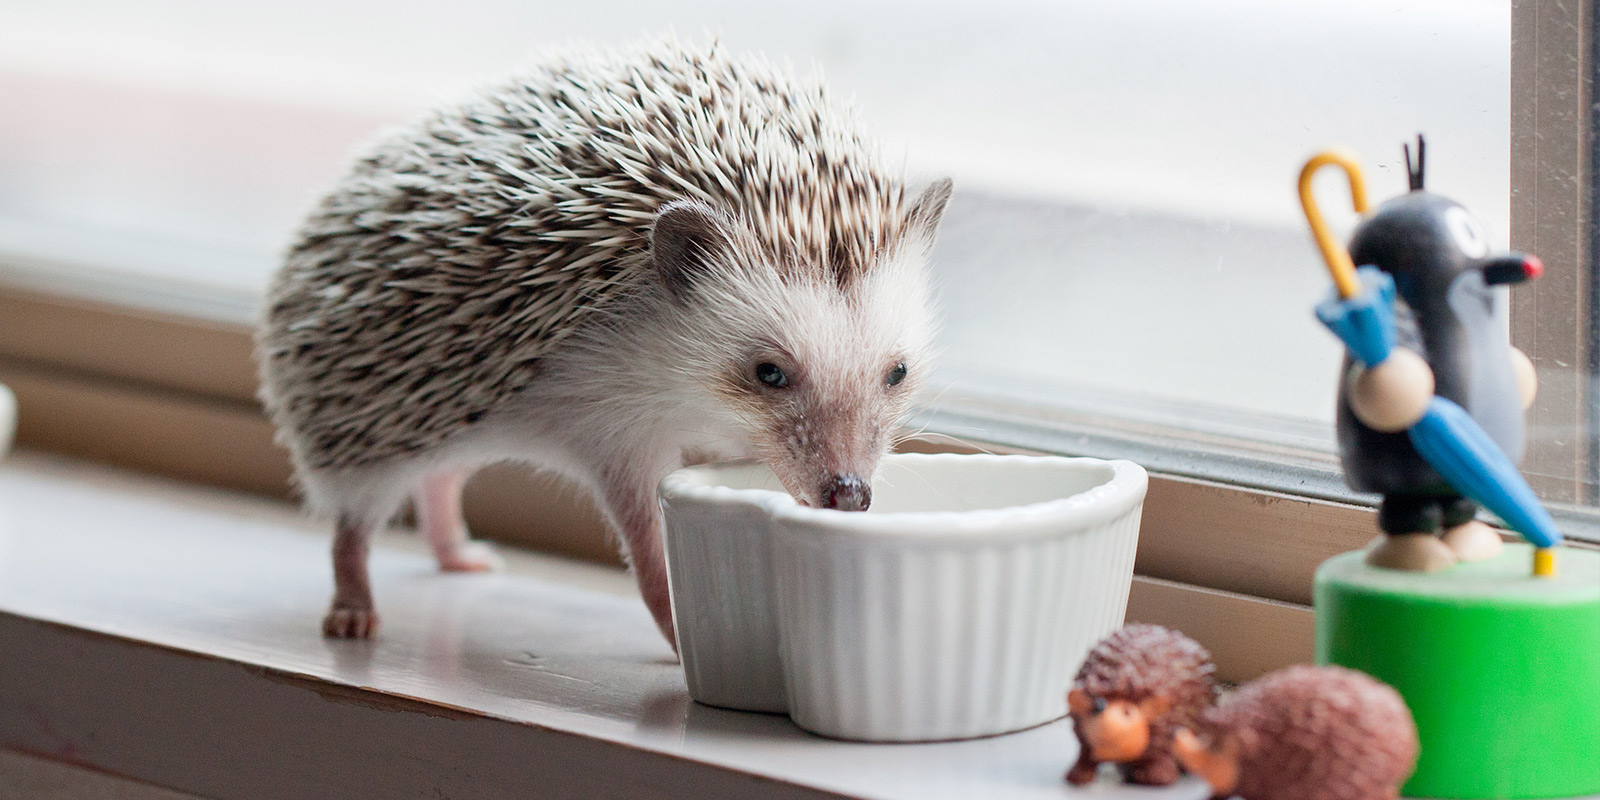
{"x": 620, "y": 259}
{"x": 1134, "y": 688}
{"x": 1305, "y": 733}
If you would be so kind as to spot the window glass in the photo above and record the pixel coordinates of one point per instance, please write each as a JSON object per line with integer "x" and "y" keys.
{"x": 1125, "y": 219}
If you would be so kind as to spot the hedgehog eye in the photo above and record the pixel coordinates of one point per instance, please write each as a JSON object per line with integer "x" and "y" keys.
{"x": 771, "y": 375}
{"x": 1099, "y": 704}
{"x": 896, "y": 375}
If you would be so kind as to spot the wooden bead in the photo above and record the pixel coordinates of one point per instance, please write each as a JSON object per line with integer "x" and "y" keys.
{"x": 1392, "y": 396}
{"x": 1527, "y": 378}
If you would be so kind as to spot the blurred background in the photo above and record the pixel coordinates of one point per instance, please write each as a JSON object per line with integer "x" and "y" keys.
{"x": 1125, "y": 233}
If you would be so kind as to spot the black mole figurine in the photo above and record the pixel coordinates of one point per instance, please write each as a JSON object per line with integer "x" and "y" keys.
{"x": 1449, "y": 318}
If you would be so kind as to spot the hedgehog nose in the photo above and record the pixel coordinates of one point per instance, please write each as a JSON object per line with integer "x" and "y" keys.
{"x": 847, "y": 493}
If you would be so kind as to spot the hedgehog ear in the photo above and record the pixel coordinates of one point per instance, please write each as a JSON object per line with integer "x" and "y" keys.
{"x": 688, "y": 240}
{"x": 928, "y": 209}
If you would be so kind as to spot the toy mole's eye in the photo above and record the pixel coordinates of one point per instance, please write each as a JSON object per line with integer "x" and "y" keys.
{"x": 896, "y": 375}
{"x": 1468, "y": 232}
{"x": 771, "y": 375}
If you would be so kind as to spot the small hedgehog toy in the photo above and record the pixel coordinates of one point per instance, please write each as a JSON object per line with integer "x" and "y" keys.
{"x": 1305, "y": 733}
{"x": 1135, "y": 687}
{"x": 615, "y": 259}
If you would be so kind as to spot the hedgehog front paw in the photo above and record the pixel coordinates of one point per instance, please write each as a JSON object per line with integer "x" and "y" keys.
{"x": 350, "y": 623}
{"x": 470, "y": 556}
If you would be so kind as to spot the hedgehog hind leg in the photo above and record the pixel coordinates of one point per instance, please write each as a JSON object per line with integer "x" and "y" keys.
{"x": 1162, "y": 770}
{"x": 438, "y": 499}
{"x": 352, "y": 614}
{"x": 360, "y": 501}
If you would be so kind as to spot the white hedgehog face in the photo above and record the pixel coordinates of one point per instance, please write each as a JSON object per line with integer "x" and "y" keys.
{"x": 821, "y": 388}
{"x": 817, "y": 375}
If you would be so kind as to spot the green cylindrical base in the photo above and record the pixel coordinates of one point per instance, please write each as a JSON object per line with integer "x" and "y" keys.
{"x": 1501, "y": 669}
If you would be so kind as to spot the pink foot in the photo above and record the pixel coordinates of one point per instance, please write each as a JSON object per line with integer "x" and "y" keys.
{"x": 439, "y": 516}
{"x": 661, "y": 611}
{"x": 470, "y": 556}
{"x": 350, "y": 623}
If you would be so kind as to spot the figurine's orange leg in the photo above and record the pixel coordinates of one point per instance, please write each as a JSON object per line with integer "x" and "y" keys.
{"x": 1159, "y": 771}
{"x": 352, "y": 615}
{"x": 439, "y": 516}
{"x": 1084, "y": 770}
{"x": 1218, "y": 768}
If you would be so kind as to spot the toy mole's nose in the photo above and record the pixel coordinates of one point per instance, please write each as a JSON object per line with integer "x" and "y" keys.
{"x": 847, "y": 493}
{"x": 1532, "y": 267}
{"x": 1512, "y": 268}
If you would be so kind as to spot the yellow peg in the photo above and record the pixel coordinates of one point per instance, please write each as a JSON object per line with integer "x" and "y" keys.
{"x": 1544, "y": 562}
{"x": 1344, "y": 272}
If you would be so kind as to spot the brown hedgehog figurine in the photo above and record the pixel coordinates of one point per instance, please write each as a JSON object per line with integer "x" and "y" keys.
{"x": 1135, "y": 688}
{"x": 1305, "y": 733}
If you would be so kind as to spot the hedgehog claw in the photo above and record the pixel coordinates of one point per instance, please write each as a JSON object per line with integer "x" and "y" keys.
{"x": 350, "y": 623}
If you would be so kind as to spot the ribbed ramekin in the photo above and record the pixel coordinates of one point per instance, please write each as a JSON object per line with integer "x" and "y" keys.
{"x": 8, "y": 418}
{"x": 719, "y": 556}
{"x": 965, "y": 620}
{"x": 959, "y": 606}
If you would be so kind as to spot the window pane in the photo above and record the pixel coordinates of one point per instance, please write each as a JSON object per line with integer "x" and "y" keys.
{"x": 1125, "y": 218}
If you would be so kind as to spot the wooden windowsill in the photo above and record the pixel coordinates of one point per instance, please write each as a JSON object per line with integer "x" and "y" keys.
{"x": 169, "y": 634}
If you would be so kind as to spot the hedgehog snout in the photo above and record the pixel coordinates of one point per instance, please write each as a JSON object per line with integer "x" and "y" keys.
{"x": 1116, "y": 730}
{"x": 847, "y": 493}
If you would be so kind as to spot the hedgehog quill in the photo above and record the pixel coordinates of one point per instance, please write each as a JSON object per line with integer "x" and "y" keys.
{"x": 617, "y": 258}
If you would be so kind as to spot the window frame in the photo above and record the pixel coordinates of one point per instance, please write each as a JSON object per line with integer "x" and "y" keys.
{"x": 1553, "y": 186}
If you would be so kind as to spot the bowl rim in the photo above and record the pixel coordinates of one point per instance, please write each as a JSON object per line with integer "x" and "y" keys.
{"x": 1123, "y": 492}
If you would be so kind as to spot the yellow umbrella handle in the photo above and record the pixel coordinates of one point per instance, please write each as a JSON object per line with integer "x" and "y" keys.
{"x": 1344, "y": 272}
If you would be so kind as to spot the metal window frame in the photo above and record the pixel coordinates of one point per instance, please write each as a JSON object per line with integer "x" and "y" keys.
{"x": 1553, "y": 186}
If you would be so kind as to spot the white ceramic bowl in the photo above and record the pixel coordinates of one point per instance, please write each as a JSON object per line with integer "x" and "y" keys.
{"x": 959, "y": 606}
{"x": 8, "y": 418}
